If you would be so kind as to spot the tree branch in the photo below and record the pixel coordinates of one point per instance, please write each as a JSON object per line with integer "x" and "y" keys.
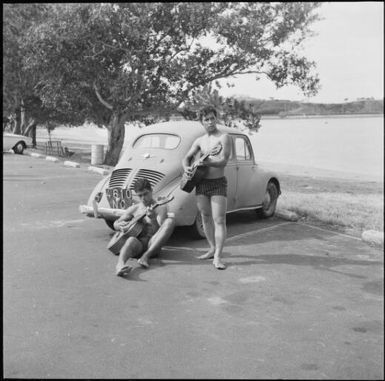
{"x": 93, "y": 56}
{"x": 101, "y": 100}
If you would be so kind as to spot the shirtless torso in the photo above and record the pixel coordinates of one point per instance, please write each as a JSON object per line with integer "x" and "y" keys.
{"x": 206, "y": 143}
{"x": 215, "y": 164}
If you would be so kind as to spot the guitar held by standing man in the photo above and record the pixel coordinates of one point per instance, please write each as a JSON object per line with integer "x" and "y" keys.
{"x": 211, "y": 191}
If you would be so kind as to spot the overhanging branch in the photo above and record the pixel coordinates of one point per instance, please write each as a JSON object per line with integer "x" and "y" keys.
{"x": 101, "y": 100}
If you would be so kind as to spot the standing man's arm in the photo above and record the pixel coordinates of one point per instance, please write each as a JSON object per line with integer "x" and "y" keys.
{"x": 195, "y": 148}
{"x": 223, "y": 157}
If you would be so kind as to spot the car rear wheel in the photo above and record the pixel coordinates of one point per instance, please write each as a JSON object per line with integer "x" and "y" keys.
{"x": 110, "y": 224}
{"x": 269, "y": 202}
{"x": 196, "y": 229}
{"x": 19, "y": 148}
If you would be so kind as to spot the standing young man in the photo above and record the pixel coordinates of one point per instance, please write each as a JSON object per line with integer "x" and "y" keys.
{"x": 212, "y": 190}
{"x": 157, "y": 228}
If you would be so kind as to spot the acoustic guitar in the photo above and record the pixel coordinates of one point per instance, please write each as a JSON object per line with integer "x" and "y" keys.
{"x": 133, "y": 228}
{"x": 190, "y": 180}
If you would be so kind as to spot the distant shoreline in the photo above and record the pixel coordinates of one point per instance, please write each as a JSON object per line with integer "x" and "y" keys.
{"x": 320, "y": 116}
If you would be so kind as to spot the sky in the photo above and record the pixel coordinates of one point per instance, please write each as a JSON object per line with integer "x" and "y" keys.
{"x": 348, "y": 49}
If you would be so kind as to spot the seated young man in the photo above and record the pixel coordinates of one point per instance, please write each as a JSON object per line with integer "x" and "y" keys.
{"x": 157, "y": 228}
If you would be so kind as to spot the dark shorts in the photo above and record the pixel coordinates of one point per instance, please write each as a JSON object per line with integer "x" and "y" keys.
{"x": 212, "y": 187}
{"x": 144, "y": 240}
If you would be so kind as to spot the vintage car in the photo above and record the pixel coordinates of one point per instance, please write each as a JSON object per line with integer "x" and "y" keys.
{"x": 156, "y": 153}
{"x": 18, "y": 143}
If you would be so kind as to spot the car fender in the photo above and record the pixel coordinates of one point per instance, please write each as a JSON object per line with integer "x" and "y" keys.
{"x": 265, "y": 176}
{"x": 100, "y": 188}
{"x": 183, "y": 206}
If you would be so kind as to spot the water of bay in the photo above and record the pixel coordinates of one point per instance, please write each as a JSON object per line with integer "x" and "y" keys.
{"x": 349, "y": 144}
{"x": 353, "y": 144}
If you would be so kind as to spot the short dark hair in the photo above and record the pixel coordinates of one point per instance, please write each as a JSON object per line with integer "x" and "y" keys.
{"x": 142, "y": 184}
{"x": 207, "y": 110}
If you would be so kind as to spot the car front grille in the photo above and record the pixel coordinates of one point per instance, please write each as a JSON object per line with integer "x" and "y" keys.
{"x": 153, "y": 177}
{"x": 119, "y": 177}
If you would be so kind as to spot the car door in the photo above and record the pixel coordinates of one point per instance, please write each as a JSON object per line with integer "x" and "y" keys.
{"x": 246, "y": 172}
{"x": 231, "y": 175}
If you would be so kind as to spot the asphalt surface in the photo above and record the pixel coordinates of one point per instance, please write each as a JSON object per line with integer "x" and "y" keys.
{"x": 295, "y": 301}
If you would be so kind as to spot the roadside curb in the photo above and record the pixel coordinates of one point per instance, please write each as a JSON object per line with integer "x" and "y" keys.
{"x": 52, "y": 158}
{"x": 101, "y": 171}
{"x": 373, "y": 237}
{"x": 34, "y": 154}
{"x": 71, "y": 164}
{"x": 74, "y": 164}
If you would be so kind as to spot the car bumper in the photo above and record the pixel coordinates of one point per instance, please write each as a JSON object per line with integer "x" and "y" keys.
{"x": 106, "y": 213}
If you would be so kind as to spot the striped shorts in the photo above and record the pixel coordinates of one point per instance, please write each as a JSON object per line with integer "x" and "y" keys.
{"x": 212, "y": 187}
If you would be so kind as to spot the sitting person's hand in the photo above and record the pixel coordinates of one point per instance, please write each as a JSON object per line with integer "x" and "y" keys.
{"x": 150, "y": 213}
{"x": 121, "y": 225}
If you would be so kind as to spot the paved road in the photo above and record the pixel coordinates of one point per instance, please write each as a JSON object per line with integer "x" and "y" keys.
{"x": 295, "y": 301}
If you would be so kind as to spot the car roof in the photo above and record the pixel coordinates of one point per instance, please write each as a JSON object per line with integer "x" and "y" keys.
{"x": 187, "y": 129}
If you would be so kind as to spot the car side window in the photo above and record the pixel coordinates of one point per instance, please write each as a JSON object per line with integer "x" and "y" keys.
{"x": 242, "y": 149}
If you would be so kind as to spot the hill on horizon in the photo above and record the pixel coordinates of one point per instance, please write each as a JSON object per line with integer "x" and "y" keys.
{"x": 284, "y": 107}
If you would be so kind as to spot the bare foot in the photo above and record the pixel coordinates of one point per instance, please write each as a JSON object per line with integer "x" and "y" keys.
{"x": 123, "y": 270}
{"x": 219, "y": 265}
{"x": 143, "y": 262}
{"x": 208, "y": 255}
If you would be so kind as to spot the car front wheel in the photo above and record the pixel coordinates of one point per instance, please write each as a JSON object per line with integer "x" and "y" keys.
{"x": 269, "y": 202}
{"x": 19, "y": 148}
{"x": 196, "y": 229}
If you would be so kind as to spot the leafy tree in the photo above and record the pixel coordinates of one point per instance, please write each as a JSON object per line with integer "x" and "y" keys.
{"x": 116, "y": 62}
{"x": 231, "y": 112}
{"x": 18, "y": 83}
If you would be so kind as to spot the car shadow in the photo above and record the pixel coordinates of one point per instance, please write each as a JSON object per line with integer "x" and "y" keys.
{"x": 320, "y": 249}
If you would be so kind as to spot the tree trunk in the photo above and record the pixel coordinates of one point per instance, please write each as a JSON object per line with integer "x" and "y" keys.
{"x": 33, "y": 135}
{"x": 23, "y": 118}
{"x": 17, "y": 124}
{"x": 31, "y": 131}
{"x": 116, "y": 131}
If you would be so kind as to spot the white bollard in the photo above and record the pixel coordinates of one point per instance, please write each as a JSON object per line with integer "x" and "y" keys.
{"x": 71, "y": 164}
{"x": 287, "y": 215}
{"x": 102, "y": 171}
{"x": 52, "y": 158}
{"x": 373, "y": 237}
{"x": 34, "y": 154}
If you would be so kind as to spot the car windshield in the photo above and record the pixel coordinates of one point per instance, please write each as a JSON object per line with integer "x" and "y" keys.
{"x": 165, "y": 141}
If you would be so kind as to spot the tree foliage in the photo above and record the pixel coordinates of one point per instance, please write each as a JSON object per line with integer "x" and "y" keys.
{"x": 20, "y": 102}
{"x": 231, "y": 111}
{"x": 114, "y": 62}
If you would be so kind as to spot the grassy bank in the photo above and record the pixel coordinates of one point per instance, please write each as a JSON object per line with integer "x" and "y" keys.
{"x": 345, "y": 205}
